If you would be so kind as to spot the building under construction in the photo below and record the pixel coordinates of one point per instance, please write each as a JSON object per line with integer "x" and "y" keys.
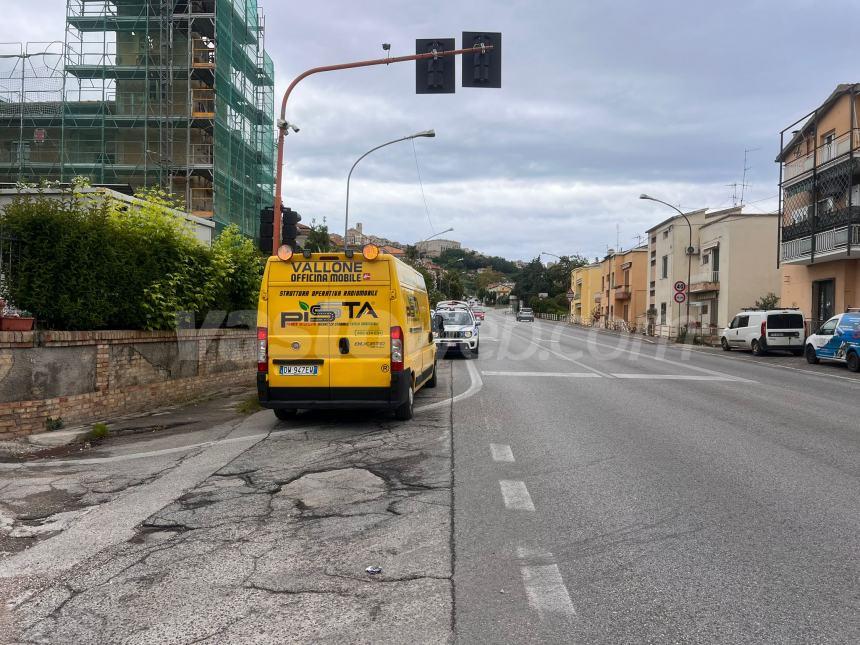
{"x": 170, "y": 93}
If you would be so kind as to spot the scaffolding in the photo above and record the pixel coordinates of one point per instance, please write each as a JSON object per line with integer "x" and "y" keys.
{"x": 170, "y": 93}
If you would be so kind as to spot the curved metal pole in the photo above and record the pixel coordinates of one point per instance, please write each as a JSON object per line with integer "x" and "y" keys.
{"x": 282, "y": 122}
{"x": 687, "y": 251}
{"x": 349, "y": 177}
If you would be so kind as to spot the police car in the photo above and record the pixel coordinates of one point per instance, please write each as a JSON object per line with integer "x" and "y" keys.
{"x": 457, "y": 328}
{"x": 837, "y": 340}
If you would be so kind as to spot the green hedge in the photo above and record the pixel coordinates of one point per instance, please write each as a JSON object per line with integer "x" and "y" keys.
{"x": 94, "y": 263}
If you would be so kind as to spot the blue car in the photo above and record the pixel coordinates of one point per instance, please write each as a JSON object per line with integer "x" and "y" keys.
{"x": 837, "y": 340}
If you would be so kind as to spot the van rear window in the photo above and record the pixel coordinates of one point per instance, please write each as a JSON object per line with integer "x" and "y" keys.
{"x": 785, "y": 321}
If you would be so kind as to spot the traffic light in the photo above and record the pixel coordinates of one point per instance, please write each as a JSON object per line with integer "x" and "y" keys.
{"x": 434, "y": 75}
{"x": 482, "y": 69}
{"x": 267, "y": 223}
{"x": 290, "y": 230}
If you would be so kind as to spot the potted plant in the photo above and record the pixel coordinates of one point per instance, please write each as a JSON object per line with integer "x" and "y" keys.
{"x": 15, "y": 322}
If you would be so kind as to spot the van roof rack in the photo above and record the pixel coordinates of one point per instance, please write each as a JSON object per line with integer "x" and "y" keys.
{"x": 853, "y": 310}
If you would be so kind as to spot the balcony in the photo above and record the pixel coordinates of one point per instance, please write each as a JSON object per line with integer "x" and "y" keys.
{"x": 705, "y": 281}
{"x": 827, "y": 154}
{"x": 622, "y": 292}
{"x": 830, "y": 244}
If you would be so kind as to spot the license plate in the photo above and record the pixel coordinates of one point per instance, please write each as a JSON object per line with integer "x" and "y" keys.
{"x": 299, "y": 370}
{"x": 777, "y": 334}
{"x": 452, "y": 345}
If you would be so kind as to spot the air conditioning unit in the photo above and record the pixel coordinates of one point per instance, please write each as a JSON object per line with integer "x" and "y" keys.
{"x": 692, "y": 250}
{"x": 855, "y": 195}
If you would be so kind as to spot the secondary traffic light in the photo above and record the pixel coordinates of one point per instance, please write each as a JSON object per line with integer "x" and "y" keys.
{"x": 290, "y": 230}
{"x": 482, "y": 69}
{"x": 267, "y": 222}
{"x": 434, "y": 75}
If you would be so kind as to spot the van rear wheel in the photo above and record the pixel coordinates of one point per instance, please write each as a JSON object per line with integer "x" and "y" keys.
{"x": 285, "y": 414}
{"x": 757, "y": 348}
{"x": 405, "y": 411}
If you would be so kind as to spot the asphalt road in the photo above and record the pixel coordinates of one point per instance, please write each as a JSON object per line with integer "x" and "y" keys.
{"x": 614, "y": 491}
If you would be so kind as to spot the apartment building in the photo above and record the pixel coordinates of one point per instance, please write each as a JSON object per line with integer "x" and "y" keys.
{"x": 624, "y": 287}
{"x": 585, "y": 284}
{"x": 819, "y": 225}
{"x": 669, "y": 262}
{"x": 435, "y": 248}
{"x": 177, "y": 94}
{"x": 734, "y": 267}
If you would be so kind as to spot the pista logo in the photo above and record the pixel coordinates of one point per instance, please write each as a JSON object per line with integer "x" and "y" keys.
{"x": 326, "y": 312}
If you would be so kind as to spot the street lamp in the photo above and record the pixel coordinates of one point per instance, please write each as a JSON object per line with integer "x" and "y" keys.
{"x": 689, "y": 249}
{"x": 425, "y": 133}
{"x": 552, "y": 254}
{"x": 447, "y": 230}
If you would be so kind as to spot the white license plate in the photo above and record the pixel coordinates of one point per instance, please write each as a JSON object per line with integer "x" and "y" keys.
{"x": 453, "y": 345}
{"x": 299, "y": 370}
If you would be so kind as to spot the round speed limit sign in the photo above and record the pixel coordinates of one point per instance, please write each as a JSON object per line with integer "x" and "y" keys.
{"x": 680, "y": 297}
{"x": 680, "y": 285}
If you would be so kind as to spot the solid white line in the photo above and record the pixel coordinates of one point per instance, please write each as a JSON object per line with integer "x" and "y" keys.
{"x": 502, "y": 452}
{"x": 474, "y": 388}
{"x": 516, "y": 495}
{"x": 545, "y": 590}
{"x": 680, "y": 377}
{"x": 556, "y": 374}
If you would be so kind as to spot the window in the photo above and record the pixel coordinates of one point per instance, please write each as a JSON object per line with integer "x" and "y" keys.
{"x": 743, "y": 321}
{"x": 666, "y": 234}
{"x": 664, "y": 270}
{"x": 706, "y": 258}
{"x": 704, "y": 310}
{"x": 627, "y": 278}
{"x": 785, "y": 321}
{"x": 828, "y": 328}
{"x": 662, "y": 313}
{"x": 654, "y": 240}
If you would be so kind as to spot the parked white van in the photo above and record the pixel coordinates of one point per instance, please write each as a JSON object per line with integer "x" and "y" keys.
{"x": 761, "y": 331}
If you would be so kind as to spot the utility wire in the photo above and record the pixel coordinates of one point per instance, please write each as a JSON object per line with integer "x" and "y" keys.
{"x": 421, "y": 184}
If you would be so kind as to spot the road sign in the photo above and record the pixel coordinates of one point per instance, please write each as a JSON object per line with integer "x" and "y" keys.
{"x": 680, "y": 297}
{"x": 571, "y": 295}
{"x": 680, "y": 285}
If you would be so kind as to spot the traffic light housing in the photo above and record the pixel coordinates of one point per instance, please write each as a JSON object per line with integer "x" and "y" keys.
{"x": 290, "y": 229}
{"x": 482, "y": 69}
{"x": 267, "y": 223}
{"x": 434, "y": 75}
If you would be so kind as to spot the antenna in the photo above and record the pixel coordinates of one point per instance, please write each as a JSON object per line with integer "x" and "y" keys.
{"x": 747, "y": 168}
{"x": 617, "y": 237}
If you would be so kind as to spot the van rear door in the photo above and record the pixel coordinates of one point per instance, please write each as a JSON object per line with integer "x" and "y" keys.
{"x": 360, "y": 341}
{"x": 299, "y": 331}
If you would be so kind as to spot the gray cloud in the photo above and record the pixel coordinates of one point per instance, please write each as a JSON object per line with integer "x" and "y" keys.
{"x": 600, "y": 101}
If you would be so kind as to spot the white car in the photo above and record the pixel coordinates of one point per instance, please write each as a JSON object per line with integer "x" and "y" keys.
{"x": 459, "y": 330}
{"x": 761, "y": 331}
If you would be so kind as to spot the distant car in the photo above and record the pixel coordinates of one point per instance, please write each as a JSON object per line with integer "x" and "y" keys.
{"x": 458, "y": 330}
{"x": 761, "y": 331}
{"x": 526, "y": 315}
{"x": 837, "y": 340}
{"x": 479, "y": 313}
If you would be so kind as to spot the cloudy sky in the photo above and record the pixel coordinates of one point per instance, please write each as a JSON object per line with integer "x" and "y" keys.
{"x": 601, "y": 101}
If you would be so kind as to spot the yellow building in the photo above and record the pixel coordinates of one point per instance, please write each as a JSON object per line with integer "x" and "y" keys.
{"x": 585, "y": 284}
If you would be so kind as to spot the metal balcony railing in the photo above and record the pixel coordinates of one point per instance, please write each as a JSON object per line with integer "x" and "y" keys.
{"x": 822, "y": 155}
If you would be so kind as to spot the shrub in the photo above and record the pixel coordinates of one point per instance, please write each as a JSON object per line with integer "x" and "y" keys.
{"x": 90, "y": 263}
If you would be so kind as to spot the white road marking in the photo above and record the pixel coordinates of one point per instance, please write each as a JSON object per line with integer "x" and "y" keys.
{"x": 516, "y": 495}
{"x": 560, "y": 355}
{"x": 556, "y": 374}
{"x": 545, "y": 588}
{"x": 474, "y": 388}
{"x": 680, "y": 377}
{"x": 502, "y": 452}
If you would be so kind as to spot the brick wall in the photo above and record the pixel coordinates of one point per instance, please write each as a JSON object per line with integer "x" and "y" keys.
{"x": 84, "y": 377}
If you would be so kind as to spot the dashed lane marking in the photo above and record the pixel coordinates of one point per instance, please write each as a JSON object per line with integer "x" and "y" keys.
{"x": 681, "y": 377}
{"x": 516, "y": 495}
{"x": 545, "y": 588}
{"x": 502, "y": 452}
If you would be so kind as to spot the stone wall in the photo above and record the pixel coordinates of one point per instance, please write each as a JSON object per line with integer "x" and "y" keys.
{"x": 83, "y": 377}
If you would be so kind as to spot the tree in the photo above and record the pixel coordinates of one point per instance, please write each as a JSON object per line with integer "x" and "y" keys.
{"x": 767, "y": 301}
{"x": 318, "y": 238}
{"x": 451, "y": 286}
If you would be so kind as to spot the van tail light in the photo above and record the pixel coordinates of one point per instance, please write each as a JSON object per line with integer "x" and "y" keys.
{"x": 262, "y": 349}
{"x": 763, "y": 328}
{"x": 396, "y": 349}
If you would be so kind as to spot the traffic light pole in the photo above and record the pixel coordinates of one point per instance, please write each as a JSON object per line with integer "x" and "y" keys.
{"x": 283, "y": 125}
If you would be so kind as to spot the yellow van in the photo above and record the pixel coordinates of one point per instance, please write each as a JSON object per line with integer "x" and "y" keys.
{"x": 343, "y": 330}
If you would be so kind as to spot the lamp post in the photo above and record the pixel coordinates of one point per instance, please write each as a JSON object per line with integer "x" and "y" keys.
{"x": 552, "y": 254}
{"x": 425, "y": 133}
{"x": 688, "y": 250}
